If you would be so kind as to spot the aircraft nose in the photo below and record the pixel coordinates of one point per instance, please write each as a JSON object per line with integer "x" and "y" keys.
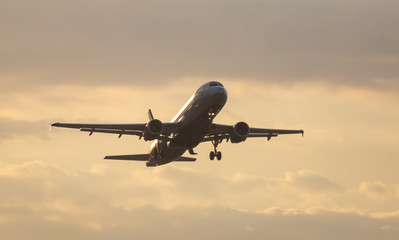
{"x": 220, "y": 95}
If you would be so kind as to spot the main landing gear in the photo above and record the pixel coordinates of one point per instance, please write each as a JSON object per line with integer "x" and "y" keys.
{"x": 215, "y": 153}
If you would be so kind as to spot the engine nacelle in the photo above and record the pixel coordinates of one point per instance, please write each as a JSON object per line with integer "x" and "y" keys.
{"x": 153, "y": 130}
{"x": 239, "y": 132}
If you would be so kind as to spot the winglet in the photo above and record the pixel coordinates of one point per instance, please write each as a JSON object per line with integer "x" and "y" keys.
{"x": 302, "y": 132}
{"x": 150, "y": 116}
{"x": 54, "y": 125}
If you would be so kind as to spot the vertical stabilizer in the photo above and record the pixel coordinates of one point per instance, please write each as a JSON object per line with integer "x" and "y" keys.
{"x": 150, "y": 116}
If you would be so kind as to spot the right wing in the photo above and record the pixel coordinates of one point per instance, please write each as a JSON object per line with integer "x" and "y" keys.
{"x": 222, "y": 131}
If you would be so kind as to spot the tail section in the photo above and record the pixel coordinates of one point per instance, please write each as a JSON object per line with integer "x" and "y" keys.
{"x": 150, "y": 116}
{"x": 185, "y": 159}
{"x": 134, "y": 157}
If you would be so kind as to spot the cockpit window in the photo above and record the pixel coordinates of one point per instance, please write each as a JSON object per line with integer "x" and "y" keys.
{"x": 209, "y": 84}
{"x": 215, "y": 84}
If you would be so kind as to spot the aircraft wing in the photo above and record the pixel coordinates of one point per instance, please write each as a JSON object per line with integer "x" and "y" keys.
{"x": 254, "y": 131}
{"x": 120, "y": 129}
{"x": 137, "y": 127}
{"x": 222, "y": 131}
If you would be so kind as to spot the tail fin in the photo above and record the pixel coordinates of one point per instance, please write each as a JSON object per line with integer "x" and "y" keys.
{"x": 135, "y": 157}
{"x": 150, "y": 116}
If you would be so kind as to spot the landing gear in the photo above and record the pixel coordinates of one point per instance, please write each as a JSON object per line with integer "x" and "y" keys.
{"x": 215, "y": 153}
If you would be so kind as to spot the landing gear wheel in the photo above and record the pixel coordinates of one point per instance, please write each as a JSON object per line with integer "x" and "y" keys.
{"x": 212, "y": 155}
{"x": 219, "y": 155}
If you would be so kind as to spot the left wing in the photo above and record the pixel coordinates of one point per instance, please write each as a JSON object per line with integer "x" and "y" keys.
{"x": 120, "y": 129}
{"x": 221, "y": 131}
{"x": 134, "y": 127}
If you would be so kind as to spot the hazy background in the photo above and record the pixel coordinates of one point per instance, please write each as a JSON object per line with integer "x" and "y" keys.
{"x": 328, "y": 67}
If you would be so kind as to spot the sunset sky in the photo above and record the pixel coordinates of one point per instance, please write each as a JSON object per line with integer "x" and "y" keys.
{"x": 328, "y": 67}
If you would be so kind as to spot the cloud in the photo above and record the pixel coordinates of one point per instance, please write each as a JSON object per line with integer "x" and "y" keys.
{"x": 166, "y": 187}
{"x": 91, "y": 42}
{"x": 112, "y": 201}
{"x": 375, "y": 190}
{"x": 194, "y": 223}
{"x": 311, "y": 181}
{"x": 385, "y": 215}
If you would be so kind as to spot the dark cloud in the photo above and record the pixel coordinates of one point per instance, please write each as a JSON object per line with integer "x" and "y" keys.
{"x": 194, "y": 223}
{"x": 97, "y": 42}
{"x": 48, "y": 202}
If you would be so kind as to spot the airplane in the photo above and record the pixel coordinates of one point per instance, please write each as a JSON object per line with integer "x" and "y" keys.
{"x": 192, "y": 125}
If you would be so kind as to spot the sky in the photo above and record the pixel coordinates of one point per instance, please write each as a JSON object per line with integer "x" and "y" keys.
{"x": 328, "y": 67}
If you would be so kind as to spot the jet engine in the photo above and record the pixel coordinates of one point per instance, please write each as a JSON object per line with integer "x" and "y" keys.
{"x": 239, "y": 132}
{"x": 153, "y": 130}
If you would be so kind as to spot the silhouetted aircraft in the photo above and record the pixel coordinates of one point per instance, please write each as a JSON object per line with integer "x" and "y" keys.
{"x": 192, "y": 125}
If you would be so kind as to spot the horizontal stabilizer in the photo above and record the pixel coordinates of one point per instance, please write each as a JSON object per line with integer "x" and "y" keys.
{"x": 185, "y": 159}
{"x": 135, "y": 157}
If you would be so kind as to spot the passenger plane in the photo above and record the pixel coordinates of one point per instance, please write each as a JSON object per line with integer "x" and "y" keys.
{"x": 192, "y": 125}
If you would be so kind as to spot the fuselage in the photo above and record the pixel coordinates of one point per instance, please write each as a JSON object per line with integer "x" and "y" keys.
{"x": 194, "y": 121}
